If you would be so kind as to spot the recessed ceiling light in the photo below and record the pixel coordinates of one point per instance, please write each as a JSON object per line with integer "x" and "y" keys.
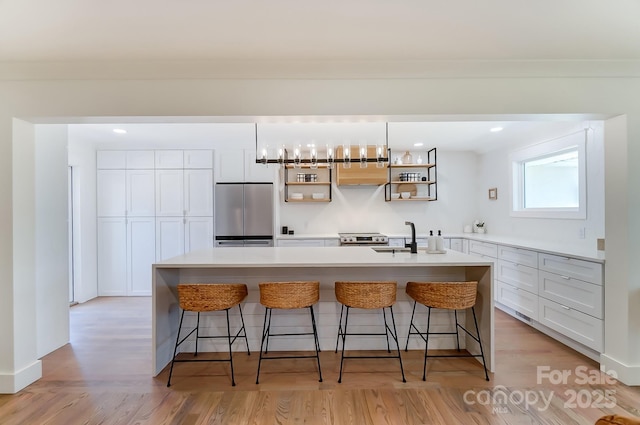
{"x": 496, "y": 129}
{"x": 417, "y": 145}
{"x": 119, "y": 130}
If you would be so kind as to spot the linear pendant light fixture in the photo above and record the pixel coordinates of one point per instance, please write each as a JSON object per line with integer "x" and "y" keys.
{"x": 283, "y": 154}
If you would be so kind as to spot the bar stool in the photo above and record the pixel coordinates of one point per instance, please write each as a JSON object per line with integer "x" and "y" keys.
{"x": 206, "y": 297}
{"x": 288, "y": 295}
{"x": 449, "y": 296}
{"x": 367, "y": 295}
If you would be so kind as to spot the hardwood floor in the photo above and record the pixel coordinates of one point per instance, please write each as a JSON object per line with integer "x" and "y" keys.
{"x": 103, "y": 377}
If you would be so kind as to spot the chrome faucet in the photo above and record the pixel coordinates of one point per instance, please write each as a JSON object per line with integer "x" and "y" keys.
{"x": 413, "y": 245}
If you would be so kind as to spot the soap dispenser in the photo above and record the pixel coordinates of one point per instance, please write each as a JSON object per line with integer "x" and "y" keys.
{"x": 439, "y": 242}
{"x": 431, "y": 242}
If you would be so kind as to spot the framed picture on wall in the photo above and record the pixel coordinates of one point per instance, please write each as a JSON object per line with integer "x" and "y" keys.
{"x": 493, "y": 193}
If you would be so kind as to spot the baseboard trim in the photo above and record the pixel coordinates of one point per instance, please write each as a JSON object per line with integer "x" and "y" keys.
{"x": 11, "y": 383}
{"x": 627, "y": 374}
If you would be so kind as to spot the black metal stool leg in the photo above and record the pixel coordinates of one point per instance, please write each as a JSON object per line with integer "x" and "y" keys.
{"x": 246, "y": 340}
{"x": 233, "y": 380}
{"x": 455, "y": 315}
{"x": 197, "y": 334}
{"x": 344, "y": 335}
{"x": 265, "y": 330}
{"x": 386, "y": 329}
{"x": 339, "y": 327}
{"x": 175, "y": 349}
{"x": 266, "y": 347}
{"x": 426, "y": 347}
{"x": 395, "y": 337}
{"x": 413, "y": 312}
{"x": 316, "y": 341}
{"x": 486, "y": 374}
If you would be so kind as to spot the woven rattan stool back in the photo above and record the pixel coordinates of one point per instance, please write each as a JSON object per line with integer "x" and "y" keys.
{"x": 447, "y": 295}
{"x": 210, "y": 296}
{"x": 366, "y": 294}
{"x": 286, "y": 295}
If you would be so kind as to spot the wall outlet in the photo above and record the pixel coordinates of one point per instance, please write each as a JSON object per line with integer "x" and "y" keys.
{"x": 583, "y": 233}
{"x": 600, "y": 244}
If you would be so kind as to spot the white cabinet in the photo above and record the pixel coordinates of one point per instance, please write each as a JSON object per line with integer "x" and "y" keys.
{"x": 111, "y": 193}
{"x": 140, "y": 255}
{"x": 168, "y": 159}
{"x": 309, "y": 242}
{"x": 459, "y": 244}
{"x": 140, "y": 193}
{"x": 125, "y": 193}
{"x": 572, "y": 323}
{"x": 518, "y": 276}
{"x": 239, "y": 165}
{"x": 126, "y": 251}
{"x": 301, "y": 242}
{"x": 112, "y": 256}
{"x": 151, "y": 205}
{"x": 483, "y": 249}
{"x": 179, "y": 235}
{"x": 184, "y": 211}
{"x": 519, "y": 300}
{"x": 120, "y": 160}
{"x": 126, "y": 210}
{"x": 184, "y": 193}
{"x": 572, "y": 297}
{"x": 587, "y": 271}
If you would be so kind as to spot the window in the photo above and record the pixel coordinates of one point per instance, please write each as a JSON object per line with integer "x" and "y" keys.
{"x": 549, "y": 179}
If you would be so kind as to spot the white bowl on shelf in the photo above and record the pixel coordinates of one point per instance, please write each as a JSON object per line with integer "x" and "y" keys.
{"x": 395, "y": 196}
{"x": 317, "y": 196}
{"x": 405, "y": 195}
{"x": 295, "y": 195}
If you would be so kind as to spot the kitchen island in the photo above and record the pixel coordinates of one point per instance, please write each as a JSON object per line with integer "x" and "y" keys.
{"x": 253, "y": 265}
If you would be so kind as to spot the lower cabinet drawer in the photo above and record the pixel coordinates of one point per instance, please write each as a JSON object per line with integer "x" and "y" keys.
{"x": 572, "y": 323}
{"x": 483, "y": 249}
{"x": 518, "y": 299}
{"x": 577, "y": 294}
{"x": 522, "y": 277}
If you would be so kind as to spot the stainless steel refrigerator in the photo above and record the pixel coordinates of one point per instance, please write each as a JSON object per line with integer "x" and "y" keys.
{"x": 243, "y": 214}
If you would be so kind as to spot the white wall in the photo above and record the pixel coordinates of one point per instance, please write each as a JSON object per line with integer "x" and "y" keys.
{"x": 494, "y": 171}
{"x": 523, "y": 90}
{"x": 52, "y": 267}
{"x": 363, "y": 209}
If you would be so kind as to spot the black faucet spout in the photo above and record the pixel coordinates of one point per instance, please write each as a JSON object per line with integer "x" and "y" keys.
{"x": 414, "y": 244}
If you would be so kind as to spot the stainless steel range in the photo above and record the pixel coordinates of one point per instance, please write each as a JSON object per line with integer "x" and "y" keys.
{"x": 368, "y": 239}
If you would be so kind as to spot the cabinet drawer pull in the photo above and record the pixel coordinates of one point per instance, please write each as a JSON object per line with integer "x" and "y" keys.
{"x": 565, "y": 277}
{"x": 565, "y": 307}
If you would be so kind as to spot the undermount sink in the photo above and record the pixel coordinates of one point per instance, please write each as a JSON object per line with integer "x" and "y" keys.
{"x": 391, "y": 249}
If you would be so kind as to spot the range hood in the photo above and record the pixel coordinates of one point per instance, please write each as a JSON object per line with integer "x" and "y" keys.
{"x": 372, "y": 175}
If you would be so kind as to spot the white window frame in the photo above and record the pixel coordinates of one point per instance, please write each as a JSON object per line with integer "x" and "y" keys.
{"x": 518, "y": 158}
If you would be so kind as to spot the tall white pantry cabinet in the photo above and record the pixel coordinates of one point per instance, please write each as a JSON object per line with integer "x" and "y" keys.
{"x": 151, "y": 205}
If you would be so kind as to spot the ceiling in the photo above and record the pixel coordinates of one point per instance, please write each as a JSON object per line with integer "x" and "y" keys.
{"x": 91, "y": 30}
{"x": 400, "y": 32}
{"x": 475, "y": 136}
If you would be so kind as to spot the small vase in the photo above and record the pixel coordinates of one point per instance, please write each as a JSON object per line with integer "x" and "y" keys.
{"x": 407, "y": 158}
{"x": 479, "y": 229}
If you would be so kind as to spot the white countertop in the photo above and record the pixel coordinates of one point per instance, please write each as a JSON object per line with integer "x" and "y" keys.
{"x": 556, "y": 248}
{"x": 352, "y": 256}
